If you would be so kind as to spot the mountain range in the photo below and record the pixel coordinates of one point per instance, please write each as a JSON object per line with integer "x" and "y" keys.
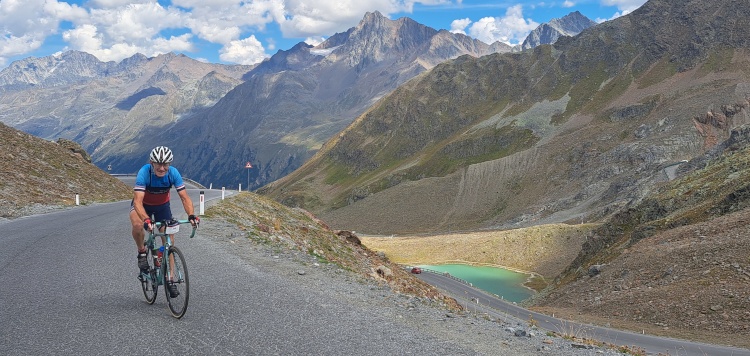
{"x": 569, "y": 132}
{"x": 275, "y": 114}
{"x": 638, "y": 125}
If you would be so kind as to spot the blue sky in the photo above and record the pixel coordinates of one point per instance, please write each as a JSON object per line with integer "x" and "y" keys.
{"x": 246, "y": 32}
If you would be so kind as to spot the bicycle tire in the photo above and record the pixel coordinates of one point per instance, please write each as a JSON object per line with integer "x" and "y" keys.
{"x": 148, "y": 284}
{"x": 176, "y": 274}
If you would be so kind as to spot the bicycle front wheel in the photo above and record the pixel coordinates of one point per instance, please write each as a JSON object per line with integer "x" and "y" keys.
{"x": 148, "y": 281}
{"x": 177, "y": 284}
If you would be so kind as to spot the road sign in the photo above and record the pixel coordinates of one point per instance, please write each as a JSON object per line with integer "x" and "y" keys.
{"x": 248, "y": 166}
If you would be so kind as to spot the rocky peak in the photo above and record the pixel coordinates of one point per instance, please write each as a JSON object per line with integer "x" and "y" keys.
{"x": 547, "y": 33}
{"x": 62, "y": 69}
{"x": 296, "y": 58}
{"x": 376, "y": 39}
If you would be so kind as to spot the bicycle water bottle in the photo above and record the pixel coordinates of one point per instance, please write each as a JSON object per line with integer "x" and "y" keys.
{"x": 159, "y": 256}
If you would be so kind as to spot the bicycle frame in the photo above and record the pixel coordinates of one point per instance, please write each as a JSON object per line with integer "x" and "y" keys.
{"x": 150, "y": 244}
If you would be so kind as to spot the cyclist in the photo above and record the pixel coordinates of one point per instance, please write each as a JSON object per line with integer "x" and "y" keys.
{"x": 151, "y": 197}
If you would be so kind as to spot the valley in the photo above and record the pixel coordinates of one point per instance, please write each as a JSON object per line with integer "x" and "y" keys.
{"x": 552, "y": 160}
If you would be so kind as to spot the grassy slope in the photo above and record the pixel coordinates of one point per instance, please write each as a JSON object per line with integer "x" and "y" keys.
{"x": 544, "y": 250}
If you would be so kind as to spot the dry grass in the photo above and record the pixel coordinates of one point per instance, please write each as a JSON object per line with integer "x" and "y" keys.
{"x": 266, "y": 221}
{"x": 545, "y": 250}
{"x": 34, "y": 171}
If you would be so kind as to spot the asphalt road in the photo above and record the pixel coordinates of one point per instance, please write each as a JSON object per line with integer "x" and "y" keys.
{"x": 476, "y": 299}
{"x": 68, "y": 287}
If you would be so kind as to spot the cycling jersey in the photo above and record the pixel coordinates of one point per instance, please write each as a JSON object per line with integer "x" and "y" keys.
{"x": 156, "y": 188}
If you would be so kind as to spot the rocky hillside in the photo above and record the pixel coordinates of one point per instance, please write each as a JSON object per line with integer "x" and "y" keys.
{"x": 569, "y": 132}
{"x": 36, "y": 172}
{"x": 677, "y": 263}
{"x": 265, "y": 221}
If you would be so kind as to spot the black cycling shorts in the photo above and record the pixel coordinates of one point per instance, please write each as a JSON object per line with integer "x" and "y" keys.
{"x": 159, "y": 212}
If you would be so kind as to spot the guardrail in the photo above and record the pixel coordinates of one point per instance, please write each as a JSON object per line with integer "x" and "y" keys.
{"x": 445, "y": 274}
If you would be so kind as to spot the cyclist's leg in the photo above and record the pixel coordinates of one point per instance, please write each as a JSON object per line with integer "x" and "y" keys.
{"x": 137, "y": 227}
{"x": 138, "y": 238}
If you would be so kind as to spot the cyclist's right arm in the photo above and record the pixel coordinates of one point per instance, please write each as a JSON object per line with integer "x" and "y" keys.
{"x": 138, "y": 205}
{"x": 139, "y": 192}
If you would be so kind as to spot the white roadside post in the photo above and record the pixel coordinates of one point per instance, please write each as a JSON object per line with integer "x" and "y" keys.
{"x": 240, "y": 188}
{"x": 78, "y": 200}
{"x": 222, "y": 193}
{"x": 202, "y": 204}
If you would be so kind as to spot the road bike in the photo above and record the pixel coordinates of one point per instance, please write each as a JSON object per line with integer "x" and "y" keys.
{"x": 167, "y": 268}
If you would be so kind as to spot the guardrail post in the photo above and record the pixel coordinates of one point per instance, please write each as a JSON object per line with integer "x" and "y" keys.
{"x": 202, "y": 205}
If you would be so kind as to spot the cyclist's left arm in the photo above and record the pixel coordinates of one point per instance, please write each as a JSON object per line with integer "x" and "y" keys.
{"x": 187, "y": 203}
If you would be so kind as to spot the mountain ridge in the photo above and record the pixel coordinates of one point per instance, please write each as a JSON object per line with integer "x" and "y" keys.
{"x": 166, "y": 92}
{"x": 279, "y": 117}
{"x": 589, "y": 130}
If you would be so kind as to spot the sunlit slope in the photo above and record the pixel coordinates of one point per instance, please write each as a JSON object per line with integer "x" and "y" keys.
{"x": 569, "y": 132}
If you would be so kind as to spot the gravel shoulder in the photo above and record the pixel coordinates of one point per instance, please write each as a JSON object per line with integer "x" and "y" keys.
{"x": 470, "y": 330}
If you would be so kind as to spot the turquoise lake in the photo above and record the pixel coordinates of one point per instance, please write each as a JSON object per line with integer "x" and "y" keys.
{"x": 505, "y": 283}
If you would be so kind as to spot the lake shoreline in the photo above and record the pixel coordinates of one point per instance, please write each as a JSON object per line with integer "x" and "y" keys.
{"x": 507, "y": 284}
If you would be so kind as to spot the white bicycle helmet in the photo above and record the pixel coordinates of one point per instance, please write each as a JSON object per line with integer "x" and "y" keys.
{"x": 161, "y": 154}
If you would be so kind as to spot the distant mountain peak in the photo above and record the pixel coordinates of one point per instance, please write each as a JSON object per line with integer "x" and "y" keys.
{"x": 547, "y": 33}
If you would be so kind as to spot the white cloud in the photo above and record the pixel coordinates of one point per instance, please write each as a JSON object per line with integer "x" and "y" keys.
{"x": 25, "y": 24}
{"x": 303, "y": 18}
{"x": 111, "y": 4}
{"x": 135, "y": 22}
{"x": 114, "y": 33}
{"x": 315, "y": 40}
{"x": 85, "y": 38}
{"x": 246, "y": 51}
{"x": 625, "y": 6}
{"x": 222, "y": 21}
{"x": 568, "y": 3}
{"x": 459, "y": 26}
{"x": 511, "y": 29}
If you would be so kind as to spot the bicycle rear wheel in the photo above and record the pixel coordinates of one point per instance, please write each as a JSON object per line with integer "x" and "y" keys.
{"x": 148, "y": 282}
{"x": 176, "y": 280}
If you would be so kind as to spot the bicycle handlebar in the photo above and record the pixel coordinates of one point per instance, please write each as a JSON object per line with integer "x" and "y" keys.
{"x": 160, "y": 223}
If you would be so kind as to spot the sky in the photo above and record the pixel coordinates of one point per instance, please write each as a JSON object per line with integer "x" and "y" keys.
{"x": 246, "y": 32}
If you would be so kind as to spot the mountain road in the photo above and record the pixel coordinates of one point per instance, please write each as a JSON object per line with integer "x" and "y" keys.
{"x": 68, "y": 286}
{"x": 475, "y": 299}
